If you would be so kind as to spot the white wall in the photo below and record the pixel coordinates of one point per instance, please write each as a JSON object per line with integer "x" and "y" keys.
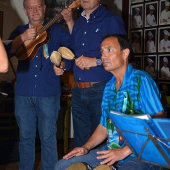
{"x": 13, "y": 15}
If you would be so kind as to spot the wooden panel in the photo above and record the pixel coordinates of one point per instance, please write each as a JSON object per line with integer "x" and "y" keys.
{"x": 125, "y": 13}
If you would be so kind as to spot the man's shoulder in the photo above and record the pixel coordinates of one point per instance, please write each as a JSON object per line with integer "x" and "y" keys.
{"x": 141, "y": 74}
{"x": 24, "y": 26}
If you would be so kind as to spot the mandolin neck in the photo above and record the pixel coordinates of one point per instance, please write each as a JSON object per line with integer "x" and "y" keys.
{"x": 57, "y": 18}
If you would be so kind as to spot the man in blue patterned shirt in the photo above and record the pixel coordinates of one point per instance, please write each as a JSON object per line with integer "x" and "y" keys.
{"x": 130, "y": 91}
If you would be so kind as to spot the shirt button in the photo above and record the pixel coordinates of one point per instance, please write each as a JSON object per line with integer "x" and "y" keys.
{"x": 83, "y": 44}
{"x": 35, "y": 75}
{"x": 87, "y": 21}
{"x": 35, "y": 86}
{"x": 37, "y": 56}
{"x": 85, "y": 32}
{"x": 35, "y": 65}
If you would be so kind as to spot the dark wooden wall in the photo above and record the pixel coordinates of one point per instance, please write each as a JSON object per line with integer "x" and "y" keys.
{"x": 125, "y": 13}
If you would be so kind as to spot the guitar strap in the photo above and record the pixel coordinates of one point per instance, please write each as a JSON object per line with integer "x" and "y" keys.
{"x": 45, "y": 51}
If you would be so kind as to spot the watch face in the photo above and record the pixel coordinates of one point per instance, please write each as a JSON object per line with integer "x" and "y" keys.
{"x": 98, "y": 62}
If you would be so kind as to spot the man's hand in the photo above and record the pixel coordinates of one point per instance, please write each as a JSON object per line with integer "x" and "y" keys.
{"x": 67, "y": 14}
{"x": 76, "y": 152}
{"x": 59, "y": 70}
{"x": 113, "y": 155}
{"x": 29, "y": 34}
{"x": 85, "y": 62}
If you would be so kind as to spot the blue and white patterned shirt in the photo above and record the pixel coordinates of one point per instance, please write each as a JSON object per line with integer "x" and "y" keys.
{"x": 138, "y": 94}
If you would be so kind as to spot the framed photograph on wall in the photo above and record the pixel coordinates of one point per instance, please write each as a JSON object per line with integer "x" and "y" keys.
{"x": 151, "y": 18}
{"x": 164, "y": 67}
{"x": 1, "y": 23}
{"x": 136, "y": 1}
{"x": 137, "y": 16}
{"x": 150, "y": 65}
{"x": 136, "y": 40}
{"x": 164, "y": 88}
{"x": 164, "y": 39}
{"x": 150, "y": 40}
{"x": 137, "y": 62}
{"x": 164, "y": 12}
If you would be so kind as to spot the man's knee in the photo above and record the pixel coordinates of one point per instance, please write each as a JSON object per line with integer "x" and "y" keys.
{"x": 78, "y": 166}
{"x": 62, "y": 164}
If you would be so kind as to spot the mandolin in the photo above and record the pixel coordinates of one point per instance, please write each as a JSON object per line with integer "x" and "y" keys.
{"x": 29, "y": 48}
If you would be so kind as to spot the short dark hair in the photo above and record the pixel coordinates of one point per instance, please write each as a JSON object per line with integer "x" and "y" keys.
{"x": 123, "y": 40}
{"x": 124, "y": 43}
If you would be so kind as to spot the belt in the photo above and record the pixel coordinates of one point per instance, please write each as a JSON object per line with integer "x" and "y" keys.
{"x": 85, "y": 84}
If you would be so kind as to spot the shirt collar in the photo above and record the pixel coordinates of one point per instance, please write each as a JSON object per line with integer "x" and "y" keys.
{"x": 126, "y": 77}
{"x": 96, "y": 12}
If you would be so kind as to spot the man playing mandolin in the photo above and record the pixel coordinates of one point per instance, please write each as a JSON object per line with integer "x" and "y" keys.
{"x": 37, "y": 94}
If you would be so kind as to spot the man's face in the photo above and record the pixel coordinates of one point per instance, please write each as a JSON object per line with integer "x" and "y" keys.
{"x": 137, "y": 13}
{"x": 149, "y": 38}
{"x": 165, "y": 64}
{"x": 89, "y": 5}
{"x": 151, "y": 11}
{"x": 35, "y": 10}
{"x": 166, "y": 8}
{"x": 112, "y": 56}
{"x": 150, "y": 64}
{"x": 166, "y": 37}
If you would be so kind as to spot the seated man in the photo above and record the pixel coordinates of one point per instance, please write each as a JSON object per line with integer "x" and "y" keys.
{"x": 130, "y": 91}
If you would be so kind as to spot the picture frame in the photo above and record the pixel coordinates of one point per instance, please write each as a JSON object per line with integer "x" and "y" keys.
{"x": 137, "y": 62}
{"x": 162, "y": 46}
{"x": 151, "y": 16}
{"x": 164, "y": 67}
{"x": 150, "y": 65}
{"x": 164, "y": 88}
{"x": 137, "y": 16}
{"x": 136, "y": 1}
{"x": 1, "y": 23}
{"x": 150, "y": 40}
{"x": 136, "y": 41}
{"x": 162, "y": 16}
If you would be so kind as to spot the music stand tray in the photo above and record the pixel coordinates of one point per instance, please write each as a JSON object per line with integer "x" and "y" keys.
{"x": 148, "y": 138}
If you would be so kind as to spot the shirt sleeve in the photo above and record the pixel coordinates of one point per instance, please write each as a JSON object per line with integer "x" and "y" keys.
{"x": 116, "y": 25}
{"x": 150, "y": 96}
{"x": 103, "y": 118}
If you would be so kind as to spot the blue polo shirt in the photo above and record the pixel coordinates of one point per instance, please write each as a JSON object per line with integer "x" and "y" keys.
{"x": 86, "y": 38}
{"x": 37, "y": 77}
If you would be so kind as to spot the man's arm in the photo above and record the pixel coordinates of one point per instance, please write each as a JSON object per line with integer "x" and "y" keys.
{"x": 109, "y": 157}
{"x": 3, "y": 58}
{"x": 29, "y": 34}
{"x": 67, "y": 15}
{"x": 160, "y": 114}
{"x": 97, "y": 137}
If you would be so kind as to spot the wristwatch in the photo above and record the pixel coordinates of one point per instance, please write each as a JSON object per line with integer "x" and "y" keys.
{"x": 98, "y": 62}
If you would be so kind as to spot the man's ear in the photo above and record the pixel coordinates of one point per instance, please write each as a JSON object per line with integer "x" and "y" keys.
{"x": 25, "y": 11}
{"x": 126, "y": 53}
